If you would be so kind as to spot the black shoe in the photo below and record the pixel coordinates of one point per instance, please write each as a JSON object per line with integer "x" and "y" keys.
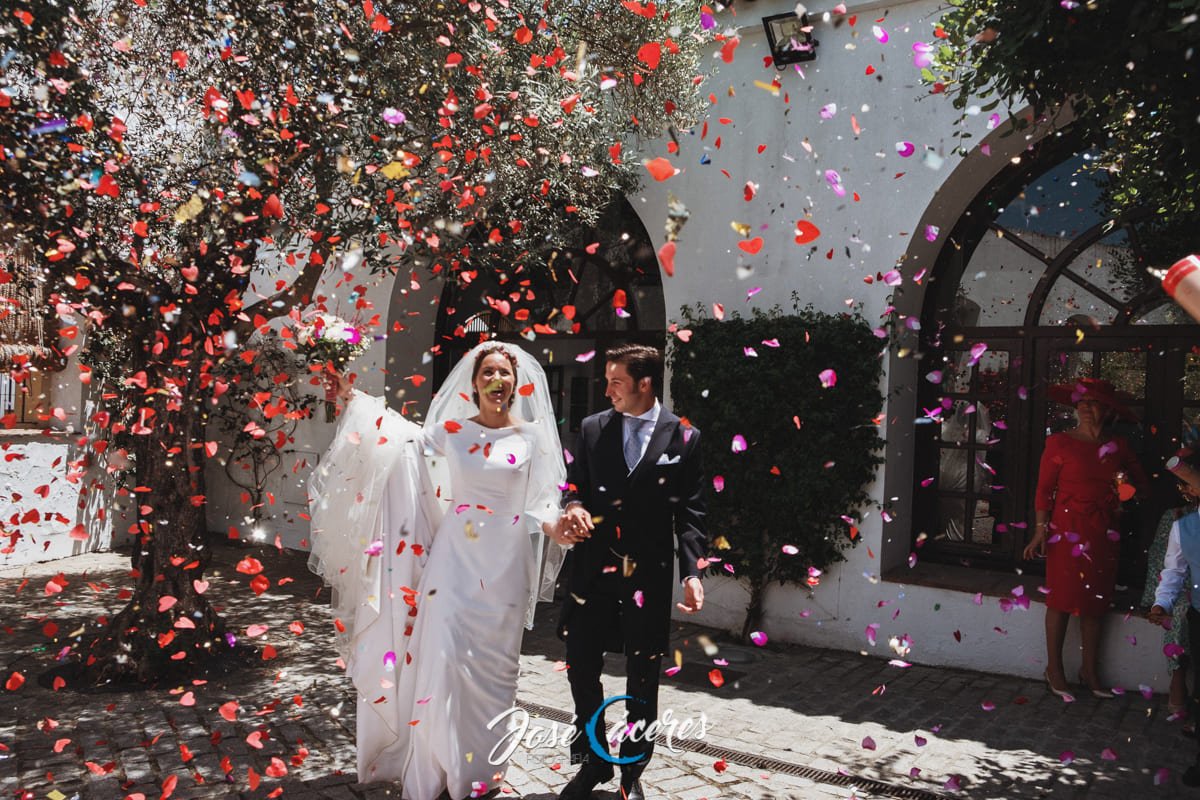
{"x": 632, "y": 790}
{"x": 588, "y": 777}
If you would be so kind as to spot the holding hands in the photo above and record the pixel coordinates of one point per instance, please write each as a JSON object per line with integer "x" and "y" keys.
{"x": 1158, "y": 616}
{"x": 574, "y": 525}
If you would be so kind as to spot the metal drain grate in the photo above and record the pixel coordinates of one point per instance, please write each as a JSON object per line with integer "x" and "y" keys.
{"x": 880, "y": 788}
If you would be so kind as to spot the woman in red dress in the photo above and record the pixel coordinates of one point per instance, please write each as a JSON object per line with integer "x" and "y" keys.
{"x": 1085, "y": 473}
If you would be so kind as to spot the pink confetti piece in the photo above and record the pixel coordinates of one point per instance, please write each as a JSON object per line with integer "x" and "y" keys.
{"x": 789, "y": 549}
{"x": 870, "y": 631}
{"x": 759, "y": 638}
{"x": 922, "y": 54}
{"x": 1108, "y": 754}
{"x": 1161, "y": 776}
{"x": 828, "y": 111}
{"x": 868, "y": 743}
{"x": 639, "y": 598}
{"x": 920, "y": 741}
{"x": 905, "y": 149}
{"x": 389, "y": 660}
{"x": 374, "y": 548}
{"x": 880, "y": 34}
{"x": 988, "y": 705}
{"x": 828, "y": 378}
{"x": 750, "y": 352}
{"x": 1066, "y": 756}
{"x": 583, "y": 358}
{"x": 835, "y": 182}
{"x": 953, "y": 783}
{"x": 671, "y": 670}
{"x": 718, "y": 483}
{"x": 739, "y": 444}
{"x": 931, "y": 233}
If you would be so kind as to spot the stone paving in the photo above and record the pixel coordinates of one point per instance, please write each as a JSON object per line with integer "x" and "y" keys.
{"x": 941, "y": 732}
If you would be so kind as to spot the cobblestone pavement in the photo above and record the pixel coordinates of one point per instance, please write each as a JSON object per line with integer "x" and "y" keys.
{"x": 787, "y": 722}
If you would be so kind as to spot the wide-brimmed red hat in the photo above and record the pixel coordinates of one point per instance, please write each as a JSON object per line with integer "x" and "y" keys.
{"x": 1096, "y": 389}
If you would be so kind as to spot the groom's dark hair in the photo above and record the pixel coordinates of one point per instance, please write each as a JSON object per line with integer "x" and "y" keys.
{"x": 641, "y": 361}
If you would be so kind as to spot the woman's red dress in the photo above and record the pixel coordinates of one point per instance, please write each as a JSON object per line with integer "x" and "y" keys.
{"x": 1077, "y": 484}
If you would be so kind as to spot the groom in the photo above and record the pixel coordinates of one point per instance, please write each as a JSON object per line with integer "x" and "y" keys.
{"x": 635, "y": 486}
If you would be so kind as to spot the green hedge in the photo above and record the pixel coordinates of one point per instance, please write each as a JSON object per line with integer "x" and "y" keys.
{"x": 794, "y": 484}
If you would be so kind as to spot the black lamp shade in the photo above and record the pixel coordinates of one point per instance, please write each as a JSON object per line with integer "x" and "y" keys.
{"x": 790, "y": 38}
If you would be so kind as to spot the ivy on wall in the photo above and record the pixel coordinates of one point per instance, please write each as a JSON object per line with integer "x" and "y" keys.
{"x": 789, "y": 407}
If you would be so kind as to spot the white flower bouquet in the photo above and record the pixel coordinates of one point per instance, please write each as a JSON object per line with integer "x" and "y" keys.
{"x": 331, "y": 342}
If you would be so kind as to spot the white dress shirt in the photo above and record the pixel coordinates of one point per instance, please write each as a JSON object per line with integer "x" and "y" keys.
{"x": 1175, "y": 568}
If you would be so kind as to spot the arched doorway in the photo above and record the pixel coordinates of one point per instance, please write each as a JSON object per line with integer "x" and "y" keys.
{"x": 605, "y": 291}
{"x": 1039, "y": 283}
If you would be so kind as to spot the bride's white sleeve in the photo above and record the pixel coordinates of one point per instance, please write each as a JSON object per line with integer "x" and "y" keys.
{"x": 346, "y": 493}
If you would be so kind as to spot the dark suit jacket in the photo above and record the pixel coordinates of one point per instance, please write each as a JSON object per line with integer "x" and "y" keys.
{"x": 639, "y": 516}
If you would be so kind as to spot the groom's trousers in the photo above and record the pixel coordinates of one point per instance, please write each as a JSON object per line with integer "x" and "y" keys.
{"x": 590, "y": 628}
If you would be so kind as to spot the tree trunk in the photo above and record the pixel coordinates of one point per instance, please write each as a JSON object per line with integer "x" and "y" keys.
{"x": 754, "y": 611}
{"x": 168, "y": 628}
{"x": 759, "y": 579}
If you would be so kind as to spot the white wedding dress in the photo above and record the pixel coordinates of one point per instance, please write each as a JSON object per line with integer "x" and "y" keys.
{"x": 437, "y": 599}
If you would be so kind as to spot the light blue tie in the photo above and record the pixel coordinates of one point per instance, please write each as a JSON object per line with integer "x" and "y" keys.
{"x": 633, "y": 444}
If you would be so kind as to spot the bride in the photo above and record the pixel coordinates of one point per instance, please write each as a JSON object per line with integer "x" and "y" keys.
{"x": 434, "y": 565}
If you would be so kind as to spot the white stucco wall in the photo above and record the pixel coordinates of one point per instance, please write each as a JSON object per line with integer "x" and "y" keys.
{"x": 51, "y": 482}
{"x": 864, "y": 236}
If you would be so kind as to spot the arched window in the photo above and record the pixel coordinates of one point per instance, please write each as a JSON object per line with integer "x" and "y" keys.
{"x": 1040, "y": 283}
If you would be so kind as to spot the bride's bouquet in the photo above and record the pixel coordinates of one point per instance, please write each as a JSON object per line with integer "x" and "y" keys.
{"x": 331, "y": 342}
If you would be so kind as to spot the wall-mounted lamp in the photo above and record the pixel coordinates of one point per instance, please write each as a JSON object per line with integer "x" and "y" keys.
{"x": 790, "y": 37}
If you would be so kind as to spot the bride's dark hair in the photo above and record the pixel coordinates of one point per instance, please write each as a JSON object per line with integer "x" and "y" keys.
{"x": 484, "y": 353}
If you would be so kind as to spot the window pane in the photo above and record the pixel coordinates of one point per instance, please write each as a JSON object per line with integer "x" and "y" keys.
{"x": 958, "y": 423}
{"x": 1113, "y": 266}
{"x": 983, "y": 524}
{"x": 996, "y": 284}
{"x": 1164, "y": 313}
{"x": 988, "y": 375}
{"x": 1061, "y": 203}
{"x": 1126, "y": 371}
{"x": 1068, "y": 303}
{"x": 1191, "y": 377}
